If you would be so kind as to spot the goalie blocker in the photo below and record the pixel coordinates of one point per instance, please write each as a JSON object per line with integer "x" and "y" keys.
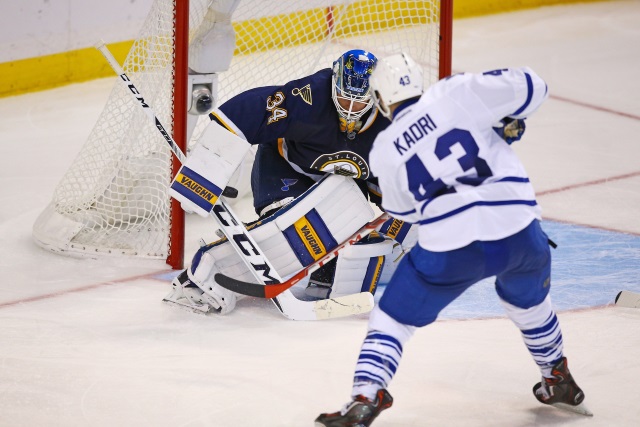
{"x": 296, "y": 236}
{"x": 206, "y": 172}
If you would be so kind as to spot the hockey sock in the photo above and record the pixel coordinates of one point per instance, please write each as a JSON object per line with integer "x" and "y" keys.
{"x": 380, "y": 354}
{"x": 541, "y": 333}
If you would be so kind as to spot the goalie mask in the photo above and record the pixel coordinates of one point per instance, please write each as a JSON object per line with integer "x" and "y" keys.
{"x": 350, "y": 89}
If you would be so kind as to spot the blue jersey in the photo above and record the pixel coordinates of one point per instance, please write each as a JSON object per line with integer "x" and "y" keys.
{"x": 300, "y": 119}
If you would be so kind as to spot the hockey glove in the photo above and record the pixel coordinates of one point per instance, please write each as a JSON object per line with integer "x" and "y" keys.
{"x": 510, "y": 130}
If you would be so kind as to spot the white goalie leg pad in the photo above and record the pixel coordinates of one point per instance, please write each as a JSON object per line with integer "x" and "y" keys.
{"x": 208, "y": 169}
{"x": 359, "y": 267}
{"x": 294, "y": 237}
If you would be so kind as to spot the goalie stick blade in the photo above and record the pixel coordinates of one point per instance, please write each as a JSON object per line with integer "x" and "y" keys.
{"x": 628, "y": 299}
{"x": 255, "y": 289}
{"x": 348, "y": 305}
{"x": 333, "y": 308}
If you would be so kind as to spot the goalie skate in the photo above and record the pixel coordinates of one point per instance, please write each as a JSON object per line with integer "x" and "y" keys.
{"x": 186, "y": 297}
{"x": 178, "y": 299}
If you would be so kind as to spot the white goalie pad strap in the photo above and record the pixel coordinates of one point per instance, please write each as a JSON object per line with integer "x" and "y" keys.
{"x": 359, "y": 268}
{"x": 207, "y": 170}
{"x": 310, "y": 226}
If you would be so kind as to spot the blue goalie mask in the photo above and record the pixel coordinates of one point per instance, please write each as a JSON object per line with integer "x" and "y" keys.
{"x": 350, "y": 90}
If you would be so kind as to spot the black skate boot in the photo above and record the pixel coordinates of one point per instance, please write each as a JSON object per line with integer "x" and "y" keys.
{"x": 359, "y": 413}
{"x": 561, "y": 390}
{"x": 321, "y": 280}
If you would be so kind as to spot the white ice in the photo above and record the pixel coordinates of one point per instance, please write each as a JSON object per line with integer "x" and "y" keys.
{"x": 88, "y": 343}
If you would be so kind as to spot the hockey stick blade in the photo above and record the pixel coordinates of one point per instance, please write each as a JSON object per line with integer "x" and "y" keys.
{"x": 627, "y": 299}
{"x": 332, "y": 308}
{"x": 248, "y": 288}
{"x": 272, "y": 290}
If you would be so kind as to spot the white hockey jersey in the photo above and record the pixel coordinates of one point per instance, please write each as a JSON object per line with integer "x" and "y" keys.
{"x": 441, "y": 165}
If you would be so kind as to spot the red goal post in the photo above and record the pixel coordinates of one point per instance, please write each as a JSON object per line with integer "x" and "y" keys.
{"x": 113, "y": 199}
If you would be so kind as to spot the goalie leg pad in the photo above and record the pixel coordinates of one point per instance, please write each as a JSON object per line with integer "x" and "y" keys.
{"x": 292, "y": 238}
{"x": 358, "y": 269}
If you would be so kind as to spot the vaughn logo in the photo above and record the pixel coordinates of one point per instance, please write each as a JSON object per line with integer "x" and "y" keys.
{"x": 394, "y": 228}
{"x": 312, "y": 242}
{"x": 196, "y": 188}
{"x": 310, "y": 238}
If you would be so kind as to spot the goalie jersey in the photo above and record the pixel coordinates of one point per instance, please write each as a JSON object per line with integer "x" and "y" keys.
{"x": 300, "y": 119}
{"x": 441, "y": 165}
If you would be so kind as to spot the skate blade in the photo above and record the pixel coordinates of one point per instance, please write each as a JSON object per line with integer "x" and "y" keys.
{"x": 178, "y": 300}
{"x": 187, "y": 307}
{"x": 578, "y": 409}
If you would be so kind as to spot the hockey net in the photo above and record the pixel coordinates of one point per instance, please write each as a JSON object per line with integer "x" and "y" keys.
{"x": 113, "y": 199}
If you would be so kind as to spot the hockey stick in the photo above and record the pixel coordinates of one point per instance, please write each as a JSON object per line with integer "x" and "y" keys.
{"x": 275, "y": 289}
{"x": 628, "y": 299}
{"x": 242, "y": 241}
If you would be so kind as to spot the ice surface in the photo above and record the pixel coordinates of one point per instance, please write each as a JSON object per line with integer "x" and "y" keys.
{"x": 88, "y": 343}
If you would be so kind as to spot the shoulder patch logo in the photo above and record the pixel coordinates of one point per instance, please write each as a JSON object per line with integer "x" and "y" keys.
{"x": 345, "y": 163}
{"x": 305, "y": 93}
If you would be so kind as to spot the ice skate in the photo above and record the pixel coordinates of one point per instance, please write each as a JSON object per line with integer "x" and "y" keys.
{"x": 359, "y": 413}
{"x": 184, "y": 295}
{"x": 561, "y": 390}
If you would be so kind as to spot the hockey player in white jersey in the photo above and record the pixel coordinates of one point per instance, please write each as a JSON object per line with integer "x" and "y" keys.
{"x": 441, "y": 164}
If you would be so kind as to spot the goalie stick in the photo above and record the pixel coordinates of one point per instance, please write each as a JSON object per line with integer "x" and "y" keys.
{"x": 628, "y": 299}
{"x": 241, "y": 240}
{"x": 272, "y": 290}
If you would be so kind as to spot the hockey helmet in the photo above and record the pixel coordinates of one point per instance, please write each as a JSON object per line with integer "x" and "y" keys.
{"x": 396, "y": 78}
{"x": 351, "y": 74}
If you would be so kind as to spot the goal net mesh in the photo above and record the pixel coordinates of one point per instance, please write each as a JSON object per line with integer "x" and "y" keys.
{"x": 113, "y": 199}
